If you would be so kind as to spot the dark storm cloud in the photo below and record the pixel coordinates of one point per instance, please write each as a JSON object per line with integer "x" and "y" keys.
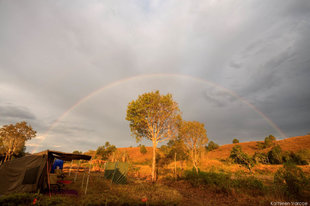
{"x": 54, "y": 54}
{"x": 14, "y": 112}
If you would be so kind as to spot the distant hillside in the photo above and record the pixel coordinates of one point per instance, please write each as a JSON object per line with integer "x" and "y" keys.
{"x": 135, "y": 154}
{"x": 290, "y": 144}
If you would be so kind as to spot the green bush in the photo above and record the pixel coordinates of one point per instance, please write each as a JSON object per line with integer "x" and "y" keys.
{"x": 235, "y": 141}
{"x": 275, "y": 155}
{"x": 143, "y": 149}
{"x": 291, "y": 179}
{"x": 212, "y": 146}
{"x": 260, "y": 157}
{"x": 239, "y": 157}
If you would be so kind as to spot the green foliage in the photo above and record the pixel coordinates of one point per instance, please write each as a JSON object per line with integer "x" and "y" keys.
{"x": 260, "y": 157}
{"x": 194, "y": 136}
{"x": 224, "y": 182}
{"x": 153, "y": 114}
{"x": 268, "y": 142}
{"x": 143, "y": 149}
{"x": 77, "y": 152}
{"x": 275, "y": 155}
{"x": 212, "y": 146}
{"x": 239, "y": 157}
{"x": 235, "y": 141}
{"x": 105, "y": 151}
{"x": 13, "y": 138}
{"x": 295, "y": 158}
{"x": 292, "y": 180}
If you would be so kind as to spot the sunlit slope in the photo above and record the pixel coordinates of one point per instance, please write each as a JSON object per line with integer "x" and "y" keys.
{"x": 135, "y": 154}
{"x": 290, "y": 144}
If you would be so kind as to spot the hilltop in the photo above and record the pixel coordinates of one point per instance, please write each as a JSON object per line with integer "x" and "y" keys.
{"x": 293, "y": 144}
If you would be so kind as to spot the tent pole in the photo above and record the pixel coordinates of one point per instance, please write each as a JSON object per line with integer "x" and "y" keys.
{"x": 77, "y": 171}
{"x": 70, "y": 167}
{"x": 48, "y": 178}
{"x": 87, "y": 179}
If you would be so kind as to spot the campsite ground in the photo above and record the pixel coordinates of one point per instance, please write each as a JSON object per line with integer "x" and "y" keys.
{"x": 222, "y": 183}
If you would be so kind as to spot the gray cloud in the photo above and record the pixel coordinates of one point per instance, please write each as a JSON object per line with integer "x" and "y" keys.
{"x": 53, "y": 54}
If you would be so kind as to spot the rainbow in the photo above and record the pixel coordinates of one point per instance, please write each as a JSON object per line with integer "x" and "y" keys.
{"x": 158, "y": 75}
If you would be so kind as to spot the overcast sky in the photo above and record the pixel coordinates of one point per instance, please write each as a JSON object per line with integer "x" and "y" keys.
{"x": 240, "y": 67}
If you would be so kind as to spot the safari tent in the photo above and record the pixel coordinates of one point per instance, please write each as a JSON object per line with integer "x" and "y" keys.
{"x": 30, "y": 173}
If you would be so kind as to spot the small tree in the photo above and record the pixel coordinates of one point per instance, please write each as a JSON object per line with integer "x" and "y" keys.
{"x": 13, "y": 138}
{"x": 77, "y": 152}
{"x": 143, "y": 149}
{"x": 239, "y": 157}
{"x": 194, "y": 136}
{"x": 235, "y": 141}
{"x": 105, "y": 151}
{"x": 155, "y": 117}
{"x": 212, "y": 146}
{"x": 275, "y": 155}
{"x": 291, "y": 179}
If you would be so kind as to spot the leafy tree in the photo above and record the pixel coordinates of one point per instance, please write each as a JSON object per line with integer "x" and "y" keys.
{"x": 154, "y": 117}
{"x": 239, "y": 157}
{"x": 275, "y": 155}
{"x": 77, "y": 152}
{"x": 13, "y": 138}
{"x": 291, "y": 179}
{"x": 261, "y": 158}
{"x": 194, "y": 136}
{"x": 143, "y": 149}
{"x": 212, "y": 146}
{"x": 105, "y": 151}
{"x": 235, "y": 141}
{"x": 269, "y": 141}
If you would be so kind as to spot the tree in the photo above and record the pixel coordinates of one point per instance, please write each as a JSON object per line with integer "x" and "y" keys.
{"x": 154, "y": 117}
{"x": 194, "y": 136}
{"x": 77, "y": 152}
{"x": 235, "y": 141}
{"x": 275, "y": 155}
{"x": 143, "y": 149}
{"x": 239, "y": 157}
{"x": 13, "y": 138}
{"x": 105, "y": 151}
{"x": 212, "y": 146}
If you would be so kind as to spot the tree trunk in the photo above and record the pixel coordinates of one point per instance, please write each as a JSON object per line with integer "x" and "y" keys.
{"x": 154, "y": 161}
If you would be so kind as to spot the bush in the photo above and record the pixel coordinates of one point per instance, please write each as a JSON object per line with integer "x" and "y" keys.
{"x": 291, "y": 180}
{"x": 235, "y": 141}
{"x": 143, "y": 149}
{"x": 224, "y": 182}
{"x": 212, "y": 146}
{"x": 275, "y": 155}
{"x": 239, "y": 157}
{"x": 260, "y": 157}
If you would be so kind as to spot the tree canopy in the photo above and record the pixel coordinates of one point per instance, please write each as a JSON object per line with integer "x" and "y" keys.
{"x": 154, "y": 117}
{"x": 13, "y": 137}
{"x": 105, "y": 151}
{"x": 194, "y": 135}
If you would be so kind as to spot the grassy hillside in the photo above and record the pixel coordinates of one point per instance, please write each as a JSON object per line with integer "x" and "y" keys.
{"x": 290, "y": 144}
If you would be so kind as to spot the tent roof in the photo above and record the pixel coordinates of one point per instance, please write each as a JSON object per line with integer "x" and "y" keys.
{"x": 64, "y": 156}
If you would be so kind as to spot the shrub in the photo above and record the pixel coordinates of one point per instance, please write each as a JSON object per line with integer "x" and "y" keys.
{"x": 250, "y": 184}
{"x": 212, "y": 146}
{"x": 291, "y": 180}
{"x": 275, "y": 155}
{"x": 235, "y": 141}
{"x": 143, "y": 149}
{"x": 239, "y": 157}
{"x": 260, "y": 157}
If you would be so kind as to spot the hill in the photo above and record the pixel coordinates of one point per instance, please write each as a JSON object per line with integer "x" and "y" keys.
{"x": 290, "y": 144}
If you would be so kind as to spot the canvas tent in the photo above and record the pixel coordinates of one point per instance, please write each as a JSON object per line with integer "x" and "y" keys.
{"x": 116, "y": 172}
{"x": 29, "y": 173}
